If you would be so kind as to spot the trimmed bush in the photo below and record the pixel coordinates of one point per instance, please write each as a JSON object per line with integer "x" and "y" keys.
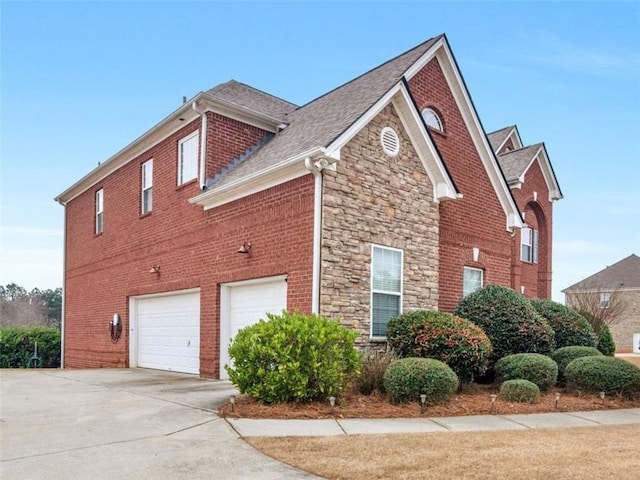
{"x": 565, "y": 355}
{"x": 373, "y": 364}
{"x": 521, "y": 391}
{"x": 293, "y": 357}
{"x": 455, "y": 341}
{"x": 603, "y": 374}
{"x": 606, "y": 344}
{"x": 508, "y": 319}
{"x": 569, "y": 327}
{"x": 18, "y": 345}
{"x": 535, "y": 367}
{"x": 406, "y": 379}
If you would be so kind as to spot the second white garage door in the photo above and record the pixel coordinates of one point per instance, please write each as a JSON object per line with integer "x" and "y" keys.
{"x": 245, "y": 303}
{"x": 168, "y": 331}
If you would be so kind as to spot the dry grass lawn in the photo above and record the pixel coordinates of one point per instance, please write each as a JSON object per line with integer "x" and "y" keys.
{"x": 611, "y": 452}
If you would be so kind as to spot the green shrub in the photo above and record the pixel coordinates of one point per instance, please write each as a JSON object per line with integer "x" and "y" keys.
{"x": 18, "y": 345}
{"x": 534, "y": 367}
{"x": 569, "y": 327}
{"x": 406, "y": 379}
{"x": 508, "y": 319}
{"x": 606, "y": 344}
{"x": 293, "y": 357}
{"x": 565, "y": 355}
{"x": 453, "y": 340}
{"x": 521, "y": 391}
{"x": 603, "y": 374}
{"x": 373, "y": 364}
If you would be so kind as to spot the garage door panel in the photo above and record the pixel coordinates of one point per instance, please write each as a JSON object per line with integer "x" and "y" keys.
{"x": 169, "y": 332}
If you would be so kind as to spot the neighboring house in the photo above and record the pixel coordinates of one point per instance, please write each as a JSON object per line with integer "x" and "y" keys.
{"x": 621, "y": 280}
{"x": 380, "y": 196}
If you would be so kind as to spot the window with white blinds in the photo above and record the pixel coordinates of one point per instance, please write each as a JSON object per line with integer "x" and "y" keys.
{"x": 188, "y": 158}
{"x": 386, "y": 288}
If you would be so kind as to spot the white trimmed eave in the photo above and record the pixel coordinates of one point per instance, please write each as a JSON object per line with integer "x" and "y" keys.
{"x": 442, "y": 52}
{"x": 549, "y": 176}
{"x": 167, "y": 127}
{"x": 443, "y": 186}
{"x": 277, "y": 174}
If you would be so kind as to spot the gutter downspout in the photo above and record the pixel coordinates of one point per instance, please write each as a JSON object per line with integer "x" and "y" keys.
{"x": 317, "y": 230}
{"x": 203, "y": 143}
{"x": 64, "y": 287}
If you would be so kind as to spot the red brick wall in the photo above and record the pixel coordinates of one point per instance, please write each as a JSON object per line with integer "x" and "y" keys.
{"x": 193, "y": 247}
{"x": 508, "y": 145}
{"x": 477, "y": 220}
{"x": 536, "y": 278}
{"x": 227, "y": 139}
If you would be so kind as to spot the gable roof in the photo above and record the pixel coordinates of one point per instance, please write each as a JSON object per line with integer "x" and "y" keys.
{"x": 516, "y": 163}
{"x": 319, "y": 122}
{"x": 324, "y": 125}
{"x": 249, "y": 98}
{"x": 498, "y": 138}
{"x": 623, "y": 275}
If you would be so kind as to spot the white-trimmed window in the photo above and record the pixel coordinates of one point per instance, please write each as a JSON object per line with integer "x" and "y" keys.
{"x": 472, "y": 280}
{"x": 386, "y": 287}
{"x": 188, "y": 158}
{"x": 99, "y": 211}
{"x": 432, "y": 119}
{"x": 605, "y": 299}
{"x": 529, "y": 245}
{"x": 147, "y": 186}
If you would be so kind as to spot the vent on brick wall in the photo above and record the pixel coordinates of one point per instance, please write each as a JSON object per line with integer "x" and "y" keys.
{"x": 390, "y": 141}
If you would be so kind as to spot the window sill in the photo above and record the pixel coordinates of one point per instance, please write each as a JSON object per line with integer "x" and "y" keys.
{"x": 437, "y": 132}
{"x": 187, "y": 183}
{"x": 378, "y": 339}
{"x": 147, "y": 214}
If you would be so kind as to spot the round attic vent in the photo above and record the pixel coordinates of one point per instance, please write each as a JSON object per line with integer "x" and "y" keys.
{"x": 390, "y": 141}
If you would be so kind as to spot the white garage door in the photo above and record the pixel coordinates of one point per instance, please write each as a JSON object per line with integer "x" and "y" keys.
{"x": 168, "y": 332}
{"x": 243, "y": 304}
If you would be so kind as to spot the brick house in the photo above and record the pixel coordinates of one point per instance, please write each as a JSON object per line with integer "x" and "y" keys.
{"x": 618, "y": 287}
{"x": 383, "y": 195}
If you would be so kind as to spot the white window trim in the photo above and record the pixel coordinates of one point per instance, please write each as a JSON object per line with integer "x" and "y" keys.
{"x": 144, "y": 187}
{"x": 465, "y": 268}
{"x": 99, "y": 217}
{"x": 440, "y": 126}
{"x": 373, "y": 291}
{"x": 605, "y": 299}
{"x": 182, "y": 181}
{"x": 534, "y": 239}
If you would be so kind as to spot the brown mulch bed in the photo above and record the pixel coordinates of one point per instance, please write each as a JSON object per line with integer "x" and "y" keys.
{"x": 474, "y": 401}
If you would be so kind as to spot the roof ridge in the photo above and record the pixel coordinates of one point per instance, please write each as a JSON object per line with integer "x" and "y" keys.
{"x": 509, "y": 127}
{"x": 370, "y": 71}
{"x": 262, "y": 91}
{"x": 518, "y": 150}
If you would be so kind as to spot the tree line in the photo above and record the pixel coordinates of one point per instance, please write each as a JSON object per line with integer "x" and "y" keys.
{"x": 21, "y": 308}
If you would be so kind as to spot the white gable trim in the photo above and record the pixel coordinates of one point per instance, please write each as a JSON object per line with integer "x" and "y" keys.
{"x": 441, "y": 51}
{"x": 514, "y": 135}
{"x": 444, "y": 188}
{"x": 547, "y": 172}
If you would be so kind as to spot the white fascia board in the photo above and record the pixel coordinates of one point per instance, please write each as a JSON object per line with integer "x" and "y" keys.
{"x": 515, "y": 137}
{"x": 444, "y": 188}
{"x": 144, "y": 142}
{"x": 547, "y": 173}
{"x": 270, "y": 177}
{"x": 163, "y": 130}
{"x": 488, "y": 158}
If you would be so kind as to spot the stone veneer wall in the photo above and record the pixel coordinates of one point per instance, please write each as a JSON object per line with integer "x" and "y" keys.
{"x": 374, "y": 198}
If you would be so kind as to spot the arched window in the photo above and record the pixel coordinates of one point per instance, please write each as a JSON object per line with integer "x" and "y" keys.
{"x": 432, "y": 119}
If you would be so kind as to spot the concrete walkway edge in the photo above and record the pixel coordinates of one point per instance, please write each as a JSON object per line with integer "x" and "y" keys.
{"x": 247, "y": 427}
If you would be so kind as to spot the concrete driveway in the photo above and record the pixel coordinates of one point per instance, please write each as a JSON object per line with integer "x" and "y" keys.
{"x": 122, "y": 423}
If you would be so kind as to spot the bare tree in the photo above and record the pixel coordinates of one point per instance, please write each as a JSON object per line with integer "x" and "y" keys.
{"x": 21, "y": 308}
{"x": 599, "y": 305}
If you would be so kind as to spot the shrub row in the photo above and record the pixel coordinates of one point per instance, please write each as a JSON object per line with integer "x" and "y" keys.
{"x": 603, "y": 374}
{"x": 565, "y": 355}
{"x": 18, "y": 345}
{"x": 408, "y": 378}
{"x": 534, "y": 367}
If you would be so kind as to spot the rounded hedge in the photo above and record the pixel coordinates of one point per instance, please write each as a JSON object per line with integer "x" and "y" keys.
{"x": 603, "y": 374}
{"x": 293, "y": 357}
{"x": 406, "y": 379}
{"x": 508, "y": 319}
{"x": 455, "y": 341}
{"x": 569, "y": 327}
{"x": 535, "y": 367}
{"x": 565, "y": 355}
{"x": 522, "y": 391}
{"x": 606, "y": 344}
{"x": 18, "y": 346}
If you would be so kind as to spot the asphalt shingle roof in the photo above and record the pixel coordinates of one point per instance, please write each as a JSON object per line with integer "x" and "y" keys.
{"x": 496, "y": 138}
{"x": 252, "y": 99}
{"x": 321, "y": 121}
{"x": 623, "y": 274}
{"x": 515, "y": 162}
